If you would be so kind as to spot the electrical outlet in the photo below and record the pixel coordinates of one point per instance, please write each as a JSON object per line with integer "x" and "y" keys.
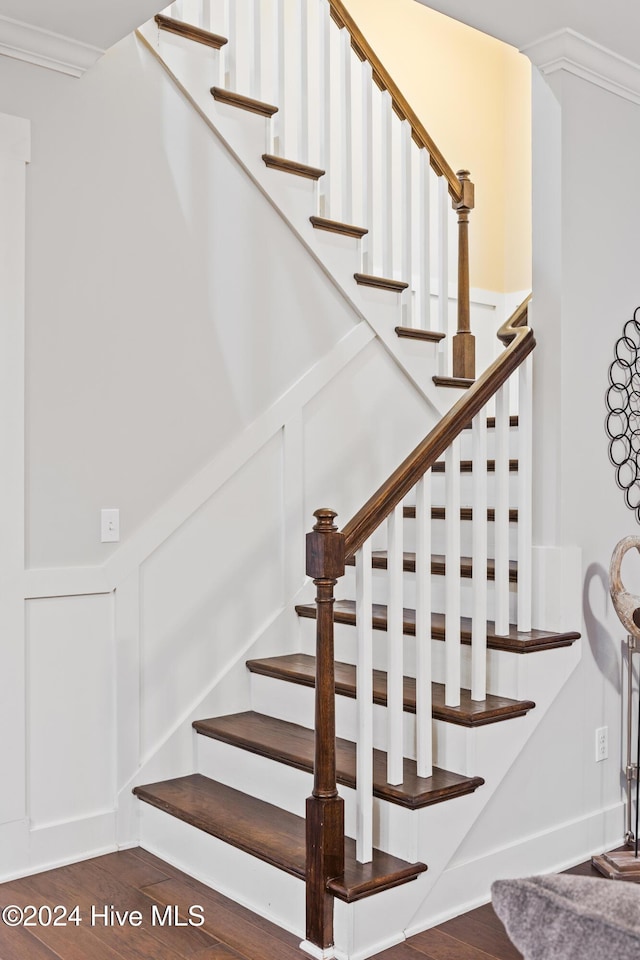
{"x": 110, "y": 525}
{"x": 602, "y": 743}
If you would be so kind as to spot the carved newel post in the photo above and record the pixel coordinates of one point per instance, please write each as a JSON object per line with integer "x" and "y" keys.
{"x": 325, "y": 809}
{"x": 464, "y": 346}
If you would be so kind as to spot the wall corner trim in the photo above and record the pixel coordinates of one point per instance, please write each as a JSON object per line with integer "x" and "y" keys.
{"x": 23, "y": 41}
{"x": 571, "y": 51}
{"x": 15, "y": 137}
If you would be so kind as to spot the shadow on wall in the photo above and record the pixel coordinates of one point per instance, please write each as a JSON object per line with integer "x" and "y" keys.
{"x": 603, "y": 645}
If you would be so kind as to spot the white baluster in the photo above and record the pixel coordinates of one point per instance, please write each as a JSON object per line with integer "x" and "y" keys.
{"x": 366, "y": 78}
{"x": 346, "y": 134}
{"x": 207, "y": 15}
{"x": 406, "y": 213}
{"x": 364, "y": 706}
{"x": 479, "y": 558}
{"x": 525, "y": 480}
{"x": 175, "y": 10}
{"x": 502, "y": 511}
{"x": 256, "y": 60}
{"x": 376, "y": 222}
{"x": 222, "y": 27}
{"x": 325, "y": 113}
{"x": 452, "y": 578}
{"x": 443, "y": 255}
{"x": 395, "y": 639}
{"x": 424, "y": 735}
{"x": 280, "y": 71}
{"x": 229, "y": 49}
{"x": 386, "y": 182}
{"x": 303, "y": 93}
{"x": 422, "y": 254}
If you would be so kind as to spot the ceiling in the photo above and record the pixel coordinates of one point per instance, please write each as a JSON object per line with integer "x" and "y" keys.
{"x": 614, "y": 24}
{"x": 100, "y": 23}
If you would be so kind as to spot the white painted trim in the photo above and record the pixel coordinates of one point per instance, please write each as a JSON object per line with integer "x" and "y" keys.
{"x": 204, "y": 484}
{"x": 564, "y": 845}
{"x": 14, "y": 152}
{"x": 556, "y": 588}
{"x": 58, "y": 844}
{"x": 317, "y": 952}
{"x": 190, "y": 712}
{"x": 64, "y": 582}
{"x": 80, "y": 581}
{"x": 23, "y": 41}
{"x": 15, "y": 138}
{"x": 576, "y": 54}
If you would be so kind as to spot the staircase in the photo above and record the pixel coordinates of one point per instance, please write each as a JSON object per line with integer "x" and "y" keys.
{"x": 415, "y": 711}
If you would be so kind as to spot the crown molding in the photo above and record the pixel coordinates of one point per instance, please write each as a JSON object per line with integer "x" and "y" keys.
{"x": 570, "y": 51}
{"x": 22, "y": 41}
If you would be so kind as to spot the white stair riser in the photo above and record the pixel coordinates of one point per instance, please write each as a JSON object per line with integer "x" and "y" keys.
{"x": 346, "y": 588}
{"x": 295, "y": 703}
{"x": 288, "y": 788}
{"x": 466, "y": 444}
{"x": 438, "y": 538}
{"x": 502, "y": 672}
{"x": 466, "y": 490}
{"x": 268, "y": 891}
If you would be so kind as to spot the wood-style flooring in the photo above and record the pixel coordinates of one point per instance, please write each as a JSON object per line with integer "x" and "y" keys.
{"x": 134, "y": 880}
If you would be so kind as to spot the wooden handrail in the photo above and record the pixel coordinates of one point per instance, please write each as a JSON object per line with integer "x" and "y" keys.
{"x": 401, "y": 106}
{"x": 519, "y": 339}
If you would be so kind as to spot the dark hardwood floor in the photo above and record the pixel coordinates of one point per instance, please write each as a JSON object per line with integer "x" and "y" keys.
{"x": 137, "y": 882}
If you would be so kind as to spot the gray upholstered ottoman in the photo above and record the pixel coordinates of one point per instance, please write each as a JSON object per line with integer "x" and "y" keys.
{"x": 570, "y": 918}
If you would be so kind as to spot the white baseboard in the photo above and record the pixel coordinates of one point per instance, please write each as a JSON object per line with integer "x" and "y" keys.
{"x": 26, "y": 852}
{"x": 467, "y": 885}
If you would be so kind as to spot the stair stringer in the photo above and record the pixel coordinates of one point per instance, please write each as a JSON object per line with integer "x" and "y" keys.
{"x": 175, "y": 754}
{"x": 294, "y": 198}
{"x": 364, "y": 928}
{"x": 432, "y": 834}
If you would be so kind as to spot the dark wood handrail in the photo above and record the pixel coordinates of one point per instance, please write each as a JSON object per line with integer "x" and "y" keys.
{"x": 400, "y": 104}
{"x": 519, "y": 340}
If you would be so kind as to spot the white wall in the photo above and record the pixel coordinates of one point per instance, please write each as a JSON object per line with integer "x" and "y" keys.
{"x": 189, "y": 362}
{"x": 166, "y": 306}
{"x": 556, "y": 798}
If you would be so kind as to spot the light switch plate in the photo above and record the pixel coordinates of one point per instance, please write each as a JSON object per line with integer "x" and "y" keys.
{"x": 110, "y": 525}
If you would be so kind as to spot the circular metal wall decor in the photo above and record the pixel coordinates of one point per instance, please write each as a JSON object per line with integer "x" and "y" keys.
{"x": 623, "y": 412}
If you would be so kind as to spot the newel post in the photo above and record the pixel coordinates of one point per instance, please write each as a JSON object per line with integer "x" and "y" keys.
{"x": 464, "y": 346}
{"x": 325, "y": 809}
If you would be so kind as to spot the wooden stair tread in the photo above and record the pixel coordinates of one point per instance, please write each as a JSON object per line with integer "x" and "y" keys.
{"x": 242, "y": 102}
{"x": 382, "y": 283}
{"x": 294, "y": 745}
{"x": 190, "y": 31}
{"x": 268, "y": 833}
{"x": 515, "y": 641}
{"x": 466, "y": 466}
{"x": 336, "y": 226}
{"x": 292, "y": 166}
{"x": 466, "y": 513}
{"x": 301, "y": 668}
{"x": 438, "y": 565}
{"x": 411, "y": 333}
{"x": 460, "y": 383}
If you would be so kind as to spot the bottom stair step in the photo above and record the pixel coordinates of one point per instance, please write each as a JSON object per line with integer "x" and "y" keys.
{"x": 269, "y": 833}
{"x": 294, "y": 745}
